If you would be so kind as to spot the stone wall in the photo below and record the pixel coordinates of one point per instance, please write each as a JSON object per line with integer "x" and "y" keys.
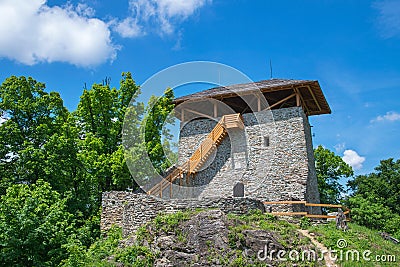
{"x": 282, "y": 170}
{"x": 131, "y": 210}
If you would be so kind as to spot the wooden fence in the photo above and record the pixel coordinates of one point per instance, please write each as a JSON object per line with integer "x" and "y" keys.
{"x": 306, "y": 214}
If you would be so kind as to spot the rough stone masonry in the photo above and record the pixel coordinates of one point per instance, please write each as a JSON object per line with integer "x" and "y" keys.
{"x": 131, "y": 210}
{"x": 272, "y": 158}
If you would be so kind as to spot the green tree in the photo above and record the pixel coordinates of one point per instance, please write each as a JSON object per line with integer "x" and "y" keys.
{"x": 34, "y": 224}
{"x": 330, "y": 169}
{"x": 40, "y": 140}
{"x": 33, "y": 118}
{"x": 374, "y": 214}
{"x": 158, "y": 115}
{"x": 99, "y": 118}
{"x": 382, "y": 186}
{"x": 54, "y": 163}
{"x": 375, "y": 197}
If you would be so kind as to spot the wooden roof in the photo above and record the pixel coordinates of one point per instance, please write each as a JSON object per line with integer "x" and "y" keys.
{"x": 312, "y": 99}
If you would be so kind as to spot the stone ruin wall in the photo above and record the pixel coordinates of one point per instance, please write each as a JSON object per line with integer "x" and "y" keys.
{"x": 131, "y": 210}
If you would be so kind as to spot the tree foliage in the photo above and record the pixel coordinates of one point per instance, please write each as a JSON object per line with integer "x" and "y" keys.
{"x": 33, "y": 118}
{"x": 100, "y": 116}
{"x": 55, "y": 163}
{"x": 375, "y": 198}
{"x": 374, "y": 215}
{"x": 100, "y": 252}
{"x": 157, "y": 116}
{"x": 330, "y": 169}
{"x": 34, "y": 225}
{"x": 382, "y": 186}
{"x": 98, "y": 122}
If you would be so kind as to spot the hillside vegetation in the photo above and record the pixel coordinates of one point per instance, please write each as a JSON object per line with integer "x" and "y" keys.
{"x": 211, "y": 238}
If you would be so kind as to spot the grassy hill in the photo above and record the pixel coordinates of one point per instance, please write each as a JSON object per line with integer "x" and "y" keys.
{"x": 360, "y": 240}
{"x": 212, "y": 238}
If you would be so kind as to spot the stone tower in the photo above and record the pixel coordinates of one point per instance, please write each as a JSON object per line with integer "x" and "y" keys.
{"x": 254, "y": 137}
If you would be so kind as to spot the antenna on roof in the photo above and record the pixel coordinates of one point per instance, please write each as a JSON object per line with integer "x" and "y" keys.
{"x": 270, "y": 67}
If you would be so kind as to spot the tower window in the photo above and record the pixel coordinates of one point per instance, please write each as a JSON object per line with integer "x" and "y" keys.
{"x": 266, "y": 141}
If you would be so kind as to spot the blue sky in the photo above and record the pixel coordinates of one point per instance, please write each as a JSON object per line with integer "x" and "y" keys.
{"x": 351, "y": 47}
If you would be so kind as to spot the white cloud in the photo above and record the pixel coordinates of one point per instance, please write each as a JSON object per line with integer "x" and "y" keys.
{"x": 33, "y": 32}
{"x": 340, "y": 147}
{"x": 85, "y": 10}
{"x": 389, "y": 116}
{"x": 389, "y": 17}
{"x": 352, "y": 158}
{"x": 129, "y": 28}
{"x": 159, "y": 15}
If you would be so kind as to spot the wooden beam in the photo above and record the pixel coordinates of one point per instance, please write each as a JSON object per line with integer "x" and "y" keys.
{"x": 323, "y": 205}
{"x": 302, "y": 100}
{"x": 183, "y": 115}
{"x": 284, "y": 202}
{"x": 298, "y": 103}
{"x": 313, "y": 96}
{"x": 289, "y": 213}
{"x": 320, "y": 216}
{"x": 215, "y": 110}
{"x": 198, "y": 113}
{"x": 281, "y": 101}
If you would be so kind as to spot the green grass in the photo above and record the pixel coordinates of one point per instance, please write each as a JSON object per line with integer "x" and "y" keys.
{"x": 357, "y": 238}
{"x": 168, "y": 222}
{"x": 164, "y": 223}
{"x": 287, "y": 235}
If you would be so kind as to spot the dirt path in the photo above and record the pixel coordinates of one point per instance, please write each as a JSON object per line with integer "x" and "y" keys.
{"x": 328, "y": 261}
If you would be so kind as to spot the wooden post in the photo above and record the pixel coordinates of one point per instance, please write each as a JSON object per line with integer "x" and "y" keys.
{"x": 215, "y": 110}
{"x": 258, "y": 103}
{"x": 298, "y": 99}
{"x": 182, "y": 115}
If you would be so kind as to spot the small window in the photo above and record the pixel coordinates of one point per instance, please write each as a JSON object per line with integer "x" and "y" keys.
{"x": 266, "y": 141}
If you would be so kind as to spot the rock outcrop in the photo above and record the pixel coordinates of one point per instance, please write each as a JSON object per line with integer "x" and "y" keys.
{"x": 212, "y": 238}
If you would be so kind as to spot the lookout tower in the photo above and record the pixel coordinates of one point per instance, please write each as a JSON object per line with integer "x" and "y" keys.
{"x": 250, "y": 140}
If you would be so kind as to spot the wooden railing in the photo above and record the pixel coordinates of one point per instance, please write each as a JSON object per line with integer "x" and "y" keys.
{"x": 200, "y": 156}
{"x": 306, "y": 214}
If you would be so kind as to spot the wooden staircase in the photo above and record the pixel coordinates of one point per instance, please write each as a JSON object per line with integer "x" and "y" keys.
{"x": 200, "y": 156}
